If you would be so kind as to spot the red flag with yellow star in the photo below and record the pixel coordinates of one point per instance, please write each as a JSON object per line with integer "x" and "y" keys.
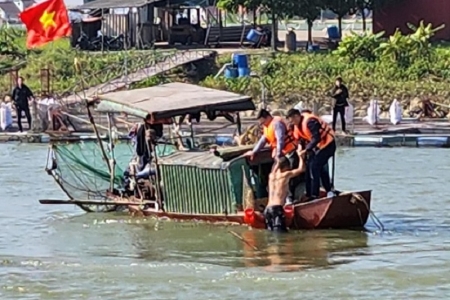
{"x": 46, "y": 21}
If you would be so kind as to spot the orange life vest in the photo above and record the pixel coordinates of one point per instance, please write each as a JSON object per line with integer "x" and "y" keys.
{"x": 289, "y": 141}
{"x": 302, "y": 131}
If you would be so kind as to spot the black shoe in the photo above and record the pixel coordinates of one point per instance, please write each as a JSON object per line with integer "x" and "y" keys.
{"x": 309, "y": 199}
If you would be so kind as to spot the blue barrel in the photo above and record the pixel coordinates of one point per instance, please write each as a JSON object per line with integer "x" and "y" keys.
{"x": 243, "y": 72}
{"x": 231, "y": 72}
{"x": 253, "y": 36}
{"x": 240, "y": 60}
{"x": 333, "y": 32}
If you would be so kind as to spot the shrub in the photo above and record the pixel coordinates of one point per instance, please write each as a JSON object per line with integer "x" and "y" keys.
{"x": 59, "y": 58}
{"x": 402, "y": 67}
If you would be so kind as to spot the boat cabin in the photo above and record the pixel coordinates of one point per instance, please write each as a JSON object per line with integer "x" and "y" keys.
{"x": 198, "y": 181}
{"x": 178, "y": 100}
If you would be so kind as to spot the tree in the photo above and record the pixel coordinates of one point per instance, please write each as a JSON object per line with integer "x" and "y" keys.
{"x": 362, "y": 5}
{"x": 229, "y": 5}
{"x": 340, "y": 8}
{"x": 11, "y": 54}
{"x": 234, "y": 5}
{"x": 252, "y": 5}
{"x": 276, "y": 9}
{"x": 308, "y": 10}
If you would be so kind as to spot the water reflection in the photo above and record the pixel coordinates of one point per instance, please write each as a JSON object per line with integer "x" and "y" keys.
{"x": 299, "y": 251}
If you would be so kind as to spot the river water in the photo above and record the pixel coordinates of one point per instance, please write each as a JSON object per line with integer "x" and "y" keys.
{"x": 59, "y": 252}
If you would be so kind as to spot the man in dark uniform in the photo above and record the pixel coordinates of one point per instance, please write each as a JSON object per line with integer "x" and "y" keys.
{"x": 21, "y": 96}
{"x": 320, "y": 147}
{"x": 340, "y": 95}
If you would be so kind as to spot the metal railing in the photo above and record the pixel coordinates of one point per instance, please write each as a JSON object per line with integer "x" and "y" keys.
{"x": 152, "y": 68}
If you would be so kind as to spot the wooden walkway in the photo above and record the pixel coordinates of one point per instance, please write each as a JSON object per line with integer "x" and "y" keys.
{"x": 154, "y": 68}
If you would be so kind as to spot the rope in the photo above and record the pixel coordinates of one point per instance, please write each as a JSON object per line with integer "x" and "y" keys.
{"x": 357, "y": 197}
{"x": 243, "y": 240}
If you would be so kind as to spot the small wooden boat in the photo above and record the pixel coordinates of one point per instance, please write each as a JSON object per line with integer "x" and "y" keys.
{"x": 348, "y": 210}
{"x": 212, "y": 186}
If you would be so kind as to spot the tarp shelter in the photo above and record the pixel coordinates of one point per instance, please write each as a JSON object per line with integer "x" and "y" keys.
{"x": 173, "y": 99}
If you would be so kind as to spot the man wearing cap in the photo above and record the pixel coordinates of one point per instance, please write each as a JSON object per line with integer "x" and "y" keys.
{"x": 280, "y": 137}
{"x": 320, "y": 146}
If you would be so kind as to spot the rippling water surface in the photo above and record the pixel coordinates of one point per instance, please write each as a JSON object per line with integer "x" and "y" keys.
{"x": 59, "y": 252}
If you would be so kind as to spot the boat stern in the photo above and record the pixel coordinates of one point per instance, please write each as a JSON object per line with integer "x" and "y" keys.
{"x": 348, "y": 210}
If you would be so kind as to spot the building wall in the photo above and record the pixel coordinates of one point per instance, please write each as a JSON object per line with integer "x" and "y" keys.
{"x": 436, "y": 12}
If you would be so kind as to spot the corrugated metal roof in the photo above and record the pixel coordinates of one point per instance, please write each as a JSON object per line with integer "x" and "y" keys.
{"x": 173, "y": 99}
{"x": 201, "y": 159}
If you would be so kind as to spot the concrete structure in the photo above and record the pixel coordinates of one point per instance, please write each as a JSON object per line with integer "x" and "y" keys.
{"x": 413, "y": 11}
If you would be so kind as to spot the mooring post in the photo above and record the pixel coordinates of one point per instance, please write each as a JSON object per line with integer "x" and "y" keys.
{"x": 316, "y": 108}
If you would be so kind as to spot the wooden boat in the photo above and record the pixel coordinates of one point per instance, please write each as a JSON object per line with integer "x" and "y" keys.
{"x": 348, "y": 210}
{"x": 213, "y": 186}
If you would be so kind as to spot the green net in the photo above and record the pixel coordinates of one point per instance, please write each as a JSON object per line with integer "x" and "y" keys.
{"x": 82, "y": 171}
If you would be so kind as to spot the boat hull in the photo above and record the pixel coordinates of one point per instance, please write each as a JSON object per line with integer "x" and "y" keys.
{"x": 346, "y": 211}
{"x": 349, "y": 210}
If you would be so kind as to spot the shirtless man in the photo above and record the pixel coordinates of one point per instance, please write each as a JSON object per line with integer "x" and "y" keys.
{"x": 278, "y": 191}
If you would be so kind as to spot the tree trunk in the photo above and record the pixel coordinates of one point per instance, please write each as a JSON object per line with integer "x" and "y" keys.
{"x": 363, "y": 15}
{"x": 274, "y": 32}
{"x": 310, "y": 25}
{"x": 340, "y": 26}
{"x": 254, "y": 18}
